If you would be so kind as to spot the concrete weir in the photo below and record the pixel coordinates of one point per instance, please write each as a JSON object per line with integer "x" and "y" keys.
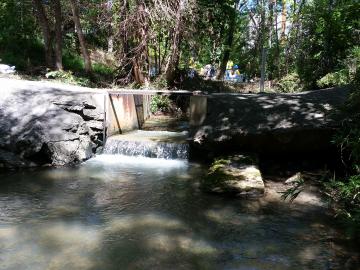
{"x": 51, "y": 123}
{"x": 127, "y": 110}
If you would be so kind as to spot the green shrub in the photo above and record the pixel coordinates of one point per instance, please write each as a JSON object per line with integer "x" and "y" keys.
{"x": 160, "y": 83}
{"x": 73, "y": 61}
{"x": 348, "y": 138}
{"x": 351, "y": 65}
{"x": 160, "y": 103}
{"x": 103, "y": 70}
{"x": 338, "y": 78}
{"x": 22, "y": 54}
{"x": 290, "y": 83}
{"x": 67, "y": 77}
{"x": 346, "y": 194}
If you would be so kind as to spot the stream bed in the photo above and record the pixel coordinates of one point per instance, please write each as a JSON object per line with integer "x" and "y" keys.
{"x": 121, "y": 212}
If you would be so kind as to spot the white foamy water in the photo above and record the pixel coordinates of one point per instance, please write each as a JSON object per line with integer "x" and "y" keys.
{"x": 144, "y": 162}
{"x": 153, "y": 144}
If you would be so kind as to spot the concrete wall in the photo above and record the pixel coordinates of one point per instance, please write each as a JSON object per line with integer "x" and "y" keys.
{"x": 198, "y": 110}
{"x": 126, "y": 112}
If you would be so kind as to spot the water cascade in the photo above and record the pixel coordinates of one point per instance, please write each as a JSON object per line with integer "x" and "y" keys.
{"x": 152, "y": 144}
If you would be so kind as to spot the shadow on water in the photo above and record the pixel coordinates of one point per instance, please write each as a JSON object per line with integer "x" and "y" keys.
{"x": 152, "y": 215}
{"x": 136, "y": 215}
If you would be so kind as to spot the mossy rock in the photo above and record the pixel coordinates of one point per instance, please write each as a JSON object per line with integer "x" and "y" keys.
{"x": 236, "y": 175}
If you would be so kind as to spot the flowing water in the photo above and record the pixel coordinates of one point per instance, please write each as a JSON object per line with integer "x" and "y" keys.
{"x": 133, "y": 212}
{"x": 154, "y": 144}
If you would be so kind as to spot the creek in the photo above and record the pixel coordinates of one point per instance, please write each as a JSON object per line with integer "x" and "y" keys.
{"x": 144, "y": 210}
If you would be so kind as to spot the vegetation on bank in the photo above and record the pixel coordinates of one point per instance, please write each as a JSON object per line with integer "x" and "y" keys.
{"x": 343, "y": 192}
{"x": 304, "y": 44}
{"x": 346, "y": 191}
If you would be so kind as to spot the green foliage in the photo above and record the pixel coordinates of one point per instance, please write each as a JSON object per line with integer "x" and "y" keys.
{"x": 346, "y": 194}
{"x": 338, "y": 78}
{"x": 73, "y": 61}
{"x": 348, "y": 138}
{"x": 346, "y": 75}
{"x": 160, "y": 83}
{"x": 321, "y": 45}
{"x": 160, "y": 103}
{"x": 24, "y": 56}
{"x": 102, "y": 69}
{"x": 218, "y": 164}
{"x": 327, "y": 36}
{"x": 19, "y": 43}
{"x": 294, "y": 191}
{"x": 67, "y": 77}
{"x": 289, "y": 84}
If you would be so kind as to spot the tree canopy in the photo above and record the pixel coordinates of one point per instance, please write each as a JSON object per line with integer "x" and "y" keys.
{"x": 310, "y": 43}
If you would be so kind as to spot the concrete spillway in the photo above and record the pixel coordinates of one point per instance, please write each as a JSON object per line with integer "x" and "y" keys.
{"x": 153, "y": 144}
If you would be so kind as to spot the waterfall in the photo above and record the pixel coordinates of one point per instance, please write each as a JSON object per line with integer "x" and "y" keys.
{"x": 152, "y": 144}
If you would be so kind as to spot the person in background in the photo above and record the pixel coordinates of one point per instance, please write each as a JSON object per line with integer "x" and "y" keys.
{"x": 229, "y": 67}
{"x": 192, "y": 66}
{"x": 235, "y": 74}
{"x": 212, "y": 72}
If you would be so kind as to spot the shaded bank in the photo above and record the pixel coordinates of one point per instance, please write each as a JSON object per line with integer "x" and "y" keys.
{"x": 301, "y": 123}
{"x": 44, "y": 123}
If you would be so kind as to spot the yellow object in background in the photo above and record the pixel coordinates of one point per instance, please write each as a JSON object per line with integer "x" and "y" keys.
{"x": 192, "y": 63}
{"x": 229, "y": 65}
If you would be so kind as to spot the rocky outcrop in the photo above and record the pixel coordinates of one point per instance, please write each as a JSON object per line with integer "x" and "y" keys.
{"x": 42, "y": 123}
{"x": 269, "y": 123}
{"x": 238, "y": 175}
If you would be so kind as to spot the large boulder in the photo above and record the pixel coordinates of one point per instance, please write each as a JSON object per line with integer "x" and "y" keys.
{"x": 299, "y": 123}
{"x": 236, "y": 175}
{"x": 44, "y": 123}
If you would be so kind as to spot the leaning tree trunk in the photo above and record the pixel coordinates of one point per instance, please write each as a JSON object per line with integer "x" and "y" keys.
{"x": 84, "y": 50}
{"x": 229, "y": 42}
{"x": 141, "y": 64}
{"x": 45, "y": 28}
{"x": 58, "y": 35}
{"x": 174, "y": 57}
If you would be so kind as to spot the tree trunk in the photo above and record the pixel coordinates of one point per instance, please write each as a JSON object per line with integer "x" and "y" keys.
{"x": 110, "y": 47}
{"x": 58, "y": 35}
{"x": 262, "y": 69}
{"x": 174, "y": 56}
{"x": 83, "y": 46}
{"x": 45, "y": 28}
{"x": 164, "y": 55}
{"x": 229, "y": 42}
{"x": 283, "y": 21}
{"x": 143, "y": 56}
{"x": 159, "y": 53}
{"x": 277, "y": 57}
{"x": 263, "y": 47}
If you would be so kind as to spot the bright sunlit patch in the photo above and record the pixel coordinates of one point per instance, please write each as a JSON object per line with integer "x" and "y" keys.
{"x": 144, "y": 222}
{"x": 144, "y": 162}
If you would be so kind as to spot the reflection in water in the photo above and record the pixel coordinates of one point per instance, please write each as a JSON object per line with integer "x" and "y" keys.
{"x": 116, "y": 212}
